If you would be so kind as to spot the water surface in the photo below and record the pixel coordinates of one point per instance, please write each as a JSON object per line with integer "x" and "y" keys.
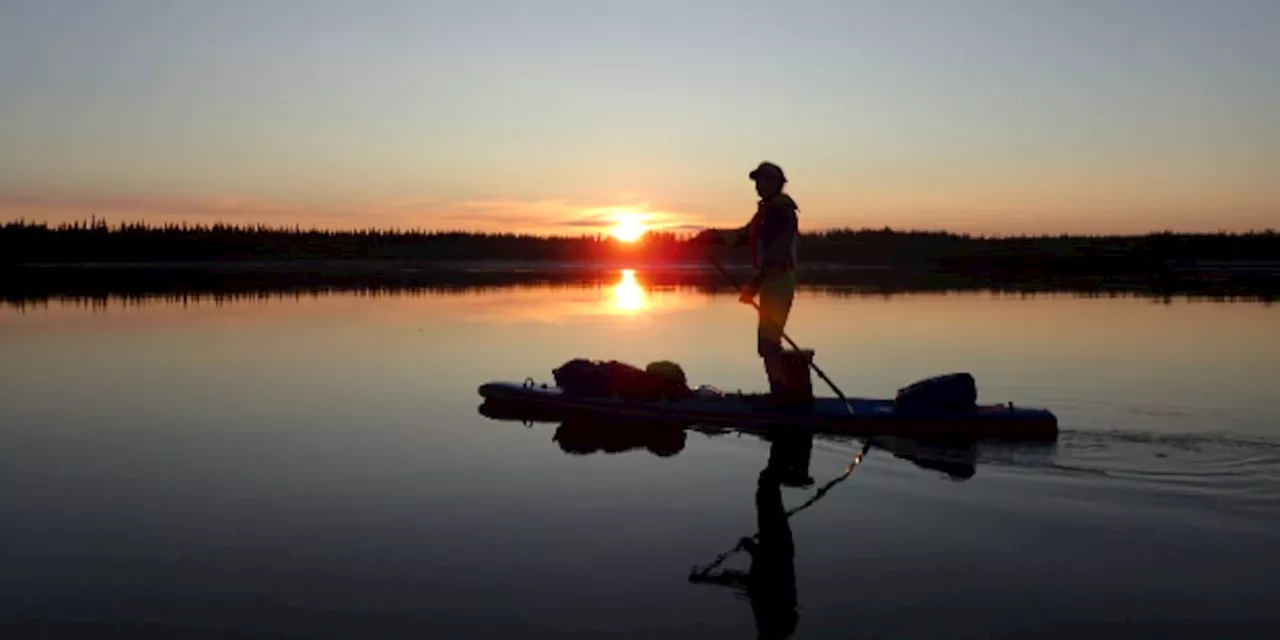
{"x": 317, "y": 466}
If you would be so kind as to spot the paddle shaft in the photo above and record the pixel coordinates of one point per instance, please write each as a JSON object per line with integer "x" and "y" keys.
{"x": 791, "y": 342}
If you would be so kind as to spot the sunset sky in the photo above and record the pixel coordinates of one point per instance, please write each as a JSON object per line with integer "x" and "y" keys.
{"x": 555, "y": 116}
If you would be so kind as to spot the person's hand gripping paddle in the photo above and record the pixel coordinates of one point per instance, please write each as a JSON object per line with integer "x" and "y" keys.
{"x": 747, "y": 296}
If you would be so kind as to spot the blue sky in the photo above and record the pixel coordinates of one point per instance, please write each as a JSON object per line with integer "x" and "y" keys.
{"x": 992, "y": 116}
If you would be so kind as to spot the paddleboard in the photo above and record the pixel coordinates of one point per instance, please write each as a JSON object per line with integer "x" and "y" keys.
{"x": 869, "y": 416}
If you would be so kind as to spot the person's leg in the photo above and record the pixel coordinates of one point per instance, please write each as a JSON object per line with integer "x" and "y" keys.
{"x": 776, "y": 295}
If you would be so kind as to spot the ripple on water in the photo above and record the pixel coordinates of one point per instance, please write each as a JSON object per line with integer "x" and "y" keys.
{"x": 1232, "y": 471}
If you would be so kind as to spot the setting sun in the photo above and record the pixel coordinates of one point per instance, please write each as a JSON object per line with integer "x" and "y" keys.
{"x": 629, "y": 227}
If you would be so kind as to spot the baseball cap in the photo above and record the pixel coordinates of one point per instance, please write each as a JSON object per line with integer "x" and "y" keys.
{"x": 768, "y": 170}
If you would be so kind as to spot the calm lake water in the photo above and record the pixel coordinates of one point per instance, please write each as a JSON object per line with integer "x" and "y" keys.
{"x": 317, "y": 466}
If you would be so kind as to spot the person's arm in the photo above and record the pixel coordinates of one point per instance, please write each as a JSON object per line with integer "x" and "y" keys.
{"x": 735, "y": 237}
{"x": 738, "y": 237}
{"x": 725, "y": 577}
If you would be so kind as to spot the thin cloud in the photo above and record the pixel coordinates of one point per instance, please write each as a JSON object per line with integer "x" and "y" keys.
{"x": 585, "y": 223}
{"x": 495, "y": 218}
{"x": 157, "y": 207}
{"x": 413, "y": 212}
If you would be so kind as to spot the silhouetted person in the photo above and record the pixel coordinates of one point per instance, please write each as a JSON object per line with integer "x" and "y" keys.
{"x": 770, "y": 582}
{"x": 772, "y": 234}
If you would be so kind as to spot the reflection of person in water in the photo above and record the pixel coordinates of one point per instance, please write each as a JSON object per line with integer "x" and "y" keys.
{"x": 770, "y": 583}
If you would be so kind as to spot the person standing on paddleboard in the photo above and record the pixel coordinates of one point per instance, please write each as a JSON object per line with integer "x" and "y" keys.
{"x": 772, "y": 235}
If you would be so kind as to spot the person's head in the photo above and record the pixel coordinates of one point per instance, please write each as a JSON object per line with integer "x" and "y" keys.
{"x": 769, "y": 179}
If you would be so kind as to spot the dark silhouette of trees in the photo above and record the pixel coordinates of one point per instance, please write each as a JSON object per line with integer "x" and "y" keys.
{"x": 38, "y": 262}
{"x": 95, "y": 241}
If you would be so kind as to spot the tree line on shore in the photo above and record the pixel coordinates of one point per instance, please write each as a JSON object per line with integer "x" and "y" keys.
{"x": 95, "y": 241}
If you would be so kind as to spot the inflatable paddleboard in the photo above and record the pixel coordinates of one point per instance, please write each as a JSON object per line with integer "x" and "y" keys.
{"x": 868, "y": 417}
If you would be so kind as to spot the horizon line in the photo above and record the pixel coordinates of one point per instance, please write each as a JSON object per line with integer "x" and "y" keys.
{"x": 688, "y": 230}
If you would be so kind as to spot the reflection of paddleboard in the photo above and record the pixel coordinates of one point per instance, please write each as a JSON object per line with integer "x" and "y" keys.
{"x": 823, "y": 415}
{"x": 957, "y": 460}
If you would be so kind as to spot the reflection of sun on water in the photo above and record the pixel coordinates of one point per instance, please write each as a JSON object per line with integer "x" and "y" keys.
{"x": 628, "y": 295}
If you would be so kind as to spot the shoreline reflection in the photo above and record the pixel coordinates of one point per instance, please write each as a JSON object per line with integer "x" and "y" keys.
{"x": 100, "y": 284}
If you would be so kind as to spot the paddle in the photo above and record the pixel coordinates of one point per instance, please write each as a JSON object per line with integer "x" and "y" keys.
{"x": 791, "y": 342}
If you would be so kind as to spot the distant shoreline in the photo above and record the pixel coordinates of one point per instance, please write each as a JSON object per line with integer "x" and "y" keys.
{"x": 410, "y": 265}
{"x": 731, "y": 262}
{"x": 37, "y": 262}
{"x": 354, "y": 265}
{"x": 96, "y": 244}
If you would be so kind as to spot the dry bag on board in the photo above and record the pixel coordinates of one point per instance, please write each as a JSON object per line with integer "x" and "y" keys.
{"x": 939, "y": 394}
{"x": 599, "y": 379}
{"x": 584, "y": 378}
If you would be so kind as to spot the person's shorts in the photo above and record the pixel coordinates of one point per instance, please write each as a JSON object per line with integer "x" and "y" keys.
{"x": 776, "y": 295}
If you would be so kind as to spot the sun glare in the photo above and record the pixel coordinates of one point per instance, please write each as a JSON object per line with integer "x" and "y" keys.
{"x": 629, "y": 227}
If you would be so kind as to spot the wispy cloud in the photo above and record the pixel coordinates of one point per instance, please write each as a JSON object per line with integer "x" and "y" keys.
{"x": 421, "y": 212}
{"x": 559, "y": 214}
{"x": 151, "y": 207}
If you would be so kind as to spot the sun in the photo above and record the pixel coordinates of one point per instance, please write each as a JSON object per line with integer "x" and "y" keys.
{"x": 629, "y": 227}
